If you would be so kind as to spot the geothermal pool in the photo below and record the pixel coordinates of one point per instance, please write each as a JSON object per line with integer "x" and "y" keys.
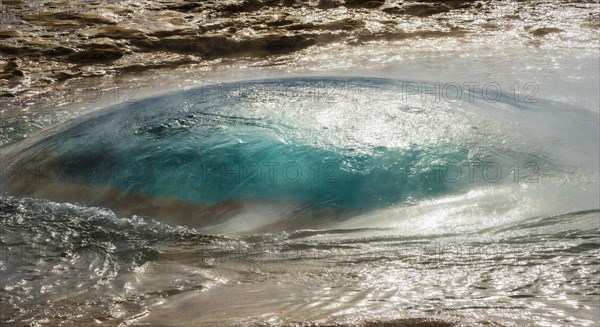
{"x": 307, "y": 199}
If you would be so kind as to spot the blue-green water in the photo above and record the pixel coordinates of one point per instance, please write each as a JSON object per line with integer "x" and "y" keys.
{"x": 260, "y": 140}
{"x": 472, "y": 211}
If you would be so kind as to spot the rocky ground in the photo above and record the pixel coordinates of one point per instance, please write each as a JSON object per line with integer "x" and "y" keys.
{"x": 48, "y": 49}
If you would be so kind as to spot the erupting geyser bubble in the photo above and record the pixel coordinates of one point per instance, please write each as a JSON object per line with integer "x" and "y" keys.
{"x": 299, "y": 152}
